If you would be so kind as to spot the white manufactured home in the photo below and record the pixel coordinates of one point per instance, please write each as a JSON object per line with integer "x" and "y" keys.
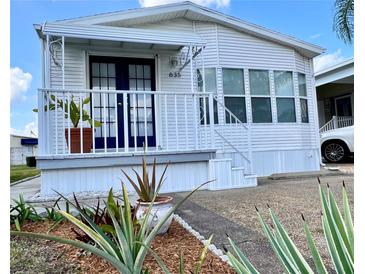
{"x": 217, "y": 97}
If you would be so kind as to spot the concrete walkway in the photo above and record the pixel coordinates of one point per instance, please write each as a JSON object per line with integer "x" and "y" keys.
{"x": 28, "y": 189}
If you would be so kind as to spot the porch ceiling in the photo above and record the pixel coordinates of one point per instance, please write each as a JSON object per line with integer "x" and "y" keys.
{"x": 165, "y": 39}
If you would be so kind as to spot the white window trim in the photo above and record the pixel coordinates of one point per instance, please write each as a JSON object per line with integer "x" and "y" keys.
{"x": 303, "y": 97}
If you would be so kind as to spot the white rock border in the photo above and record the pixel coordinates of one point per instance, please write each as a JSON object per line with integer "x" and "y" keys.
{"x": 216, "y": 251}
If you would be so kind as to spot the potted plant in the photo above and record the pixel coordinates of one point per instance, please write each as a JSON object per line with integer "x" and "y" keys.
{"x": 74, "y": 116}
{"x": 146, "y": 189}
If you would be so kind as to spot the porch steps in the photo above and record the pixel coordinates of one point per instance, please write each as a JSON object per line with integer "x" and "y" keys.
{"x": 225, "y": 176}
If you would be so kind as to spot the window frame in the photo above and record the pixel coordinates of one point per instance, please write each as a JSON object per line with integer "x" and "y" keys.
{"x": 244, "y": 95}
{"x": 293, "y": 96}
{"x": 300, "y": 97}
{"x": 268, "y": 96}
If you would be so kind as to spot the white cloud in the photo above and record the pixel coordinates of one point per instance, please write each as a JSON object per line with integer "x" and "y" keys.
{"x": 315, "y": 36}
{"x": 216, "y": 3}
{"x": 326, "y": 60}
{"x": 31, "y": 129}
{"x": 19, "y": 83}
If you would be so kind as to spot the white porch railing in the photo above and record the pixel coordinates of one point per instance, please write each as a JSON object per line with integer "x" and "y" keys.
{"x": 337, "y": 122}
{"x": 131, "y": 121}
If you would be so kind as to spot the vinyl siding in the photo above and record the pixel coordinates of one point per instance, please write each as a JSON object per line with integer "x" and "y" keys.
{"x": 225, "y": 48}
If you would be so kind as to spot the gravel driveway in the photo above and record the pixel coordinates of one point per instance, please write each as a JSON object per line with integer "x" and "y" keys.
{"x": 288, "y": 199}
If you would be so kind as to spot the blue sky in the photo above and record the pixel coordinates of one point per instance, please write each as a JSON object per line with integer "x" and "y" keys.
{"x": 309, "y": 20}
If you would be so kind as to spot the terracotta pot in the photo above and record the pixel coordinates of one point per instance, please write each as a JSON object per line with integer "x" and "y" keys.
{"x": 160, "y": 207}
{"x": 76, "y": 141}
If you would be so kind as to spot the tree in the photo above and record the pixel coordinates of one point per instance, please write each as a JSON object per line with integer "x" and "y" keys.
{"x": 343, "y": 21}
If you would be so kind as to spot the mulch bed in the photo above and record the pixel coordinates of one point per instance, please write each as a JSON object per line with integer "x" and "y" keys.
{"x": 169, "y": 247}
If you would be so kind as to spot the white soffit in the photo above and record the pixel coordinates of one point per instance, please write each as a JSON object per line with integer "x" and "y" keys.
{"x": 121, "y": 34}
{"x": 343, "y": 71}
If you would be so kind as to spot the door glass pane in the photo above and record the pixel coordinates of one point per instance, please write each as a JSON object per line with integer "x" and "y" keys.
{"x": 104, "y": 83}
{"x": 95, "y": 69}
{"x": 261, "y": 110}
{"x": 286, "y": 110}
{"x": 132, "y": 84}
{"x": 302, "y": 85}
{"x": 147, "y": 85}
{"x": 96, "y": 84}
{"x": 304, "y": 110}
{"x": 149, "y": 129}
{"x": 139, "y": 71}
{"x": 140, "y": 85}
{"x": 111, "y": 100}
{"x": 103, "y": 70}
{"x": 284, "y": 83}
{"x": 140, "y": 129}
{"x": 111, "y": 70}
{"x": 233, "y": 81}
{"x": 132, "y": 71}
{"x": 147, "y": 72}
{"x": 237, "y": 106}
{"x": 112, "y": 83}
{"x": 112, "y": 129}
{"x": 259, "y": 82}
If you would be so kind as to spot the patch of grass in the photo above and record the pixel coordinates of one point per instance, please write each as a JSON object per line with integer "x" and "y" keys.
{"x": 21, "y": 172}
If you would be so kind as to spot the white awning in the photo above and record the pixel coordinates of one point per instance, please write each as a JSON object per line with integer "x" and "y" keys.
{"x": 134, "y": 35}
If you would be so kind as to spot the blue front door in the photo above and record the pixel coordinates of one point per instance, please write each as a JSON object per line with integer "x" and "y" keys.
{"x": 111, "y": 73}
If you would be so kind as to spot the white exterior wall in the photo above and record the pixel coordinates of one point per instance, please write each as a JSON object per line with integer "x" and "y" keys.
{"x": 228, "y": 48}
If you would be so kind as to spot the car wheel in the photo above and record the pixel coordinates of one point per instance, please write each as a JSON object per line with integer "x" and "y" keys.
{"x": 334, "y": 152}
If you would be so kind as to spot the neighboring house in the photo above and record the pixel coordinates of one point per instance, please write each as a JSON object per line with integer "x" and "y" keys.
{"x": 255, "y": 114}
{"x": 21, "y": 147}
{"x": 335, "y": 95}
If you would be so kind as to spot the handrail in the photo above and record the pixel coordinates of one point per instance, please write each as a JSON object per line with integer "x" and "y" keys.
{"x": 110, "y": 91}
{"x": 229, "y": 112}
{"x": 337, "y": 122}
{"x": 233, "y": 147}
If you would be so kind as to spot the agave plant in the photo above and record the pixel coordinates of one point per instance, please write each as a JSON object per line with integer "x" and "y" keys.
{"x": 145, "y": 187}
{"x": 338, "y": 231}
{"x": 129, "y": 247}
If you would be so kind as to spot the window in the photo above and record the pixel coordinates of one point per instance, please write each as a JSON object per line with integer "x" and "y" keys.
{"x": 303, "y": 97}
{"x": 103, "y": 78}
{"x": 260, "y": 96}
{"x": 234, "y": 93}
{"x": 210, "y": 86}
{"x": 285, "y": 98}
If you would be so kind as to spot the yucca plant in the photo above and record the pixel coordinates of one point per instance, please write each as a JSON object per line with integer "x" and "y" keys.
{"x": 338, "y": 231}
{"x": 21, "y": 212}
{"x": 129, "y": 247}
{"x": 145, "y": 186}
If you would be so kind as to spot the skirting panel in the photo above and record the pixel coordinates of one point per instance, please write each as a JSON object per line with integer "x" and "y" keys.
{"x": 266, "y": 163}
{"x": 179, "y": 177}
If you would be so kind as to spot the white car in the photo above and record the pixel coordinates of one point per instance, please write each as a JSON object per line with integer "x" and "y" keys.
{"x": 337, "y": 144}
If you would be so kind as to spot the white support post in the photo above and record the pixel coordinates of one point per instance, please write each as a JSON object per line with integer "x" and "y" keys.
{"x": 166, "y": 123}
{"x": 125, "y": 122}
{"x": 104, "y": 122}
{"x": 41, "y": 122}
{"x": 116, "y": 123}
{"x": 156, "y": 99}
{"x": 194, "y": 97}
{"x": 48, "y": 113}
{"x": 145, "y": 122}
{"x": 211, "y": 120}
{"x": 81, "y": 126}
{"x": 63, "y": 94}
{"x": 135, "y": 121}
{"x": 93, "y": 120}
{"x": 55, "y": 120}
{"x": 204, "y": 99}
{"x": 176, "y": 123}
{"x": 63, "y": 62}
{"x": 186, "y": 125}
{"x": 250, "y": 146}
{"x": 69, "y": 123}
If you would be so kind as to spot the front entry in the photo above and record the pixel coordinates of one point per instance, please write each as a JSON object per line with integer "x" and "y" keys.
{"x": 115, "y": 73}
